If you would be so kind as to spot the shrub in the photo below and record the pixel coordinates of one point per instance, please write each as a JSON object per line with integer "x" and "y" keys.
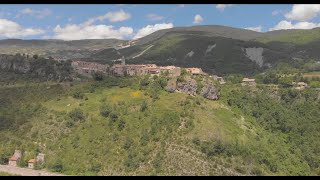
{"x": 77, "y": 115}
{"x": 144, "y": 83}
{"x": 105, "y": 110}
{"x": 121, "y": 125}
{"x": 189, "y": 124}
{"x": 98, "y": 76}
{"x": 157, "y": 162}
{"x": 132, "y": 161}
{"x": 196, "y": 141}
{"x": 78, "y": 95}
{"x": 144, "y": 106}
{"x": 57, "y": 166}
{"x": 144, "y": 138}
{"x": 128, "y": 143}
{"x": 113, "y": 116}
{"x": 180, "y": 79}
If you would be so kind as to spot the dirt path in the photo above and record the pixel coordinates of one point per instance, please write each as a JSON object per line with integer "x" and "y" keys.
{"x": 26, "y": 172}
{"x": 143, "y": 52}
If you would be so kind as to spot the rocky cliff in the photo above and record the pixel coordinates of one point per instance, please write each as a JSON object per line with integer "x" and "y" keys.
{"x": 190, "y": 86}
{"x": 39, "y": 68}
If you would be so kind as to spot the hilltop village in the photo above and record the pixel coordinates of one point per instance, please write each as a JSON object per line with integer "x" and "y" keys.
{"x": 88, "y": 68}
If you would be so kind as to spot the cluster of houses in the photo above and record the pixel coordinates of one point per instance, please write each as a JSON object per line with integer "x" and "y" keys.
{"x": 295, "y": 85}
{"x": 87, "y": 68}
{"x": 17, "y": 156}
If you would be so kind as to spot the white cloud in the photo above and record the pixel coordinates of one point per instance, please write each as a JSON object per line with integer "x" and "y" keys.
{"x": 10, "y": 29}
{"x": 154, "y": 17}
{"x": 152, "y": 28}
{"x": 116, "y": 16}
{"x": 77, "y": 32}
{"x": 303, "y": 12}
{"x": 277, "y": 12}
{"x": 258, "y": 28}
{"x": 197, "y": 19}
{"x": 289, "y": 25}
{"x": 33, "y": 12}
{"x": 221, "y": 7}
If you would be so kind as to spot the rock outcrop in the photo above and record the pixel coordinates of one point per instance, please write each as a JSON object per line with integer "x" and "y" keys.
{"x": 189, "y": 86}
{"x": 40, "y": 68}
{"x": 172, "y": 85}
{"x": 10, "y": 63}
{"x": 210, "y": 92}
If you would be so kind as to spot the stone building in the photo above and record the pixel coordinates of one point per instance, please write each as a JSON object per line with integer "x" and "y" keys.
{"x": 31, "y": 163}
{"x": 221, "y": 80}
{"x": 172, "y": 71}
{"x": 135, "y": 70}
{"x": 13, "y": 160}
{"x": 195, "y": 71}
{"x": 87, "y": 68}
{"x": 248, "y": 82}
{"x": 117, "y": 70}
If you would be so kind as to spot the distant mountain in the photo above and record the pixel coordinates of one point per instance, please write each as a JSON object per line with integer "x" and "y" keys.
{"x": 43, "y": 47}
{"x": 296, "y": 36}
{"x": 209, "y": 30}
{"x": 216, "y": 49}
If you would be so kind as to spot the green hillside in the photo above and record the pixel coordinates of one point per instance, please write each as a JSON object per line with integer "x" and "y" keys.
{"x": 292, "y": 36}
{"x": 217, "y": 55}
{"x": 119, "y": 127}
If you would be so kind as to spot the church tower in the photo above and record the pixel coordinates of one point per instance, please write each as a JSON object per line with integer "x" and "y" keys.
{"x": 123, "y": 61}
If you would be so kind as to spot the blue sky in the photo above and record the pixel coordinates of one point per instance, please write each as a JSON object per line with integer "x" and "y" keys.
{"x": 71, "y": 22}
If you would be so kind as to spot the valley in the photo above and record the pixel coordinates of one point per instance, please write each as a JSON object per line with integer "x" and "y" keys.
{"x": 202, "y": 100}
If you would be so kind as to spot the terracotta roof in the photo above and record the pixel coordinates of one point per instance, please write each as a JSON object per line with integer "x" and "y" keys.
{"x": 32, "y": 161}
{"x": 13, "y": 158}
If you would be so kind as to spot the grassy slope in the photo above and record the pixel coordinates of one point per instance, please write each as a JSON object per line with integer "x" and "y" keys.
{"x": 157, "y": 141}
{"x": 111, "y": 152}
{"x": 296, "y": 37}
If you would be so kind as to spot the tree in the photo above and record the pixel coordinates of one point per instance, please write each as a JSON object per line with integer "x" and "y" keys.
{"x": 144, "y": 106}
{"x": 57, "y": 166}
{"x": 98, "y": 76}
{"x": 144, "y": 82}
{"x": 35, "y": 56}
{"x": 183, "y": 72}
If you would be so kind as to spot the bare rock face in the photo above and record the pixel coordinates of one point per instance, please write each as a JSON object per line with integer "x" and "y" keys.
{"x": 188, "y": 87}
{"x": 172, "y": 85}
{"x": 210, "y": 92}
{"x": 20, "y": 65}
